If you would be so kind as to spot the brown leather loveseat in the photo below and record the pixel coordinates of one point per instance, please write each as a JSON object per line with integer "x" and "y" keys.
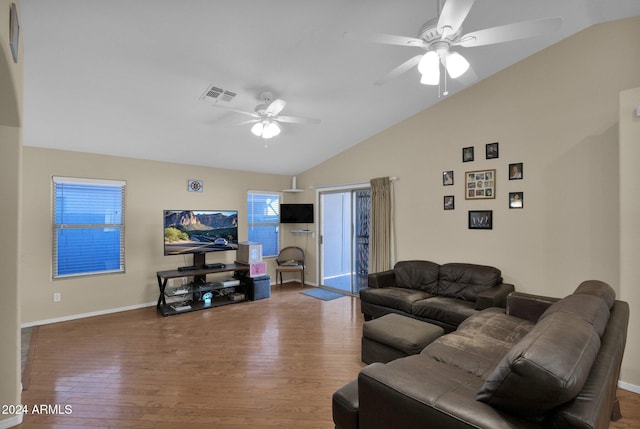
{"x": 444, "y": 295}
{"x": 546, "y": 363}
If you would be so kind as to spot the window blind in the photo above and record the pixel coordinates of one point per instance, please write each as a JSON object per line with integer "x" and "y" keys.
{"x": 88, "y": 226}
{"x": 263, "y": 219}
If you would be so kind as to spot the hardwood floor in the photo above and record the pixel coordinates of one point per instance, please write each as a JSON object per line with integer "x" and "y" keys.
{"x": 272, "y": 363}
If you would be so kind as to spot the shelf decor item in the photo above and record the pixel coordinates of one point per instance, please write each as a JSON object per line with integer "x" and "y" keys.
{"x": 480, "y": 219}
{"x": 480, "y": 184}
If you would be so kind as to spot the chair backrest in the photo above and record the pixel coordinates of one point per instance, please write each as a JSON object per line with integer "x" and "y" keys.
{"x": 291, "y": 253}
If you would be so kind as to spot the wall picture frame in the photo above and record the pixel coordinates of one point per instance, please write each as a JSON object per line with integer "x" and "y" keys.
{"x": 480, "y": 184}
{"x": 467, "y": 154}
{"x": 195, "y": 185}
{"x": 447, "y": 178}
{"x": 515, "y": 171}
{"x": 492, "y": 150}
{"x": 480, "y": 219}
{"x": 516, "y": 200}
{"x": 449, "y": 202}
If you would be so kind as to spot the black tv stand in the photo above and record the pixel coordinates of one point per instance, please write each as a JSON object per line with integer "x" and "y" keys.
{"x": 188, "y": 296}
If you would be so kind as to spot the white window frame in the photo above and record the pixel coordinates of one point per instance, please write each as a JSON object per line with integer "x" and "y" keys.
{"x": 108, "y": 224}
{"x": 251, "y": 222}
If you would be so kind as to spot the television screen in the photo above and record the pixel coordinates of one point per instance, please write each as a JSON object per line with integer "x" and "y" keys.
{"x": 296, "y": 213}
{"x": 200, "y": 231}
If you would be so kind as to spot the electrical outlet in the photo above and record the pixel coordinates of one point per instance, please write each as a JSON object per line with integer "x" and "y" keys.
{"x": 185, "y": 281}
{"x": 170, "y": 283}
{"x": 56, "y": 297}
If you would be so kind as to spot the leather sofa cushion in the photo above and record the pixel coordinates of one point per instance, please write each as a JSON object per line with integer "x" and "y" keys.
{"x": 464, "y": 281}
{"x": 547, "y": 368}
{"x": 599, "y": 289}
{"x": 480, "y": 342}
{"x": 589, "y": 308}
{"x": 448, "y": 310}
{"x": 393, "y": 297}
{"x": 422, "y": 275}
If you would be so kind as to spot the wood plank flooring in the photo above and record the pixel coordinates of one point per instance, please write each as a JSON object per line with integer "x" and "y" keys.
{"x": 272, "y": 363}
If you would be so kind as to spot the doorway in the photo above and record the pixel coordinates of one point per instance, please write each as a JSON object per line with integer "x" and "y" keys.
{"x": 344, "y": 238}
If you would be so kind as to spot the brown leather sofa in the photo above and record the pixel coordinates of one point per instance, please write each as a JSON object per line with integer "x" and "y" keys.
{"x": 444, "y": 295}
{"x": 545, "y": 363}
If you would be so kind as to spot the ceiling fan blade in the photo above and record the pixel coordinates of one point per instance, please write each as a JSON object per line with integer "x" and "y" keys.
{"x": 252, "y": 114}
{"x": 453, "y": 14}
{"x": 275, "y": 107}
{"x": 402, "y": 68}
{"x": 297, "y": 120}
{"x": 509, "y": 32}
{"x": 386, "y": 39}
{"x": 250, "y": 121}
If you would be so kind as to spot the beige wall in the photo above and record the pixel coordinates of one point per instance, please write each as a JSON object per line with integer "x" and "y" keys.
{"x": 629, "y": 227}
{"x": 151, "y": 188}
{"x": 557, "y": 112}
{"x": 10, "y": 178}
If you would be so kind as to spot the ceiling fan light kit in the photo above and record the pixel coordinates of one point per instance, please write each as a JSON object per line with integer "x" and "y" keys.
{"x": 438, "y": 36}
{"x": 266, "y": 117}
{"x": 266, "y": 129}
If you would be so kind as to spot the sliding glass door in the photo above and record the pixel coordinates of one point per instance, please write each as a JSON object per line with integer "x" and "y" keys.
{"x": 344, "y": 238}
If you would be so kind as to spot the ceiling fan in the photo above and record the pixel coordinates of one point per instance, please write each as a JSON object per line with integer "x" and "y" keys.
{"x": 267, "y": 118}
{"x": 439, "y": 36}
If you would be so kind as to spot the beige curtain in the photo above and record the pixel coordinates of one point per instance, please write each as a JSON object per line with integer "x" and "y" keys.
{"x": 381, "y": 234}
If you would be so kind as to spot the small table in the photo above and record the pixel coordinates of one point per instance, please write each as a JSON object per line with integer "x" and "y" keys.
{"x": 393, "y": 336}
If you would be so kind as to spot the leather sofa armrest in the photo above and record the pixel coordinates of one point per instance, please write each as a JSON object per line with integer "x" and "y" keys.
{"x": 527, "y": 306}
{"x": 494, "y": 297}
{"x": 382, "y": 279}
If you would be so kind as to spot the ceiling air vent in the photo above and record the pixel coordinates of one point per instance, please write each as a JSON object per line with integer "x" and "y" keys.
{"x": 214, "y": 94}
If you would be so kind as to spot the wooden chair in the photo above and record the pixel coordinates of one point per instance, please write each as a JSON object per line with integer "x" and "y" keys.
{"x": 290, "y": 260}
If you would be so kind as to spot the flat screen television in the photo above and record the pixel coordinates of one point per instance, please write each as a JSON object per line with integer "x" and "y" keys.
{"x": 296, "y": 213}
{"x": 198, "y": 232}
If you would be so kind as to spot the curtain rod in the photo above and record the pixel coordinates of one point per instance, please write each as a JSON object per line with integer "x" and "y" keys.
{"x": 347, "y": 185}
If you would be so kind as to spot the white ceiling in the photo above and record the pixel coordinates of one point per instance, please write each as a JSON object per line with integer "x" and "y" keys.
{"x": 125, "y": 77}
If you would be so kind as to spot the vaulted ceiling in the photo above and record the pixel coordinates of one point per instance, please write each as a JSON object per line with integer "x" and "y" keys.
{"x": 127, "y": 78}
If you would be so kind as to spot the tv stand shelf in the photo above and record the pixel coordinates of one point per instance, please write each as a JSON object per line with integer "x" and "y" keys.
{"x": 191, "y": 294}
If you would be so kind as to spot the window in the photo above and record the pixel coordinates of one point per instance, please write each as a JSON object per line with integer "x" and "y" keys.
{"x": 88, "y": 226}
{"x": 263, "y": 219}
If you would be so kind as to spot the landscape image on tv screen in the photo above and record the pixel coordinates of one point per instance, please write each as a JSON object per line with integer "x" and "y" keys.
{"x": 200, "y": 231}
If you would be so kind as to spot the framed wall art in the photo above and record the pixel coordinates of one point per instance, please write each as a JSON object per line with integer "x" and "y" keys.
{"x": 449, "y": 202}
{"x": 467, "y": 154}
{"x": 516, "y": 200}
{"x": 515, "y": 171}
{"x": 447, "y": 178}
{"x": 492, "y": 150}
{"x": 480, "y": 184}
{"x": 480, "y": 219}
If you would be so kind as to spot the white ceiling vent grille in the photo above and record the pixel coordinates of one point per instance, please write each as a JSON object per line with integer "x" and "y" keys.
{"x": 213, "y": 94}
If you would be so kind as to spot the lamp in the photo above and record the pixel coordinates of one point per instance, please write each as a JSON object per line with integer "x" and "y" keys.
{"x": 429, "y": 67}
{"x": 266, "y": 129}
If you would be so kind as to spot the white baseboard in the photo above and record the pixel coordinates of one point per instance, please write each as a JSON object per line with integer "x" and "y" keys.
{"x": 628, "y": 386}
{"x": 11, "y": 422}
{"x": 83, "y": 315}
